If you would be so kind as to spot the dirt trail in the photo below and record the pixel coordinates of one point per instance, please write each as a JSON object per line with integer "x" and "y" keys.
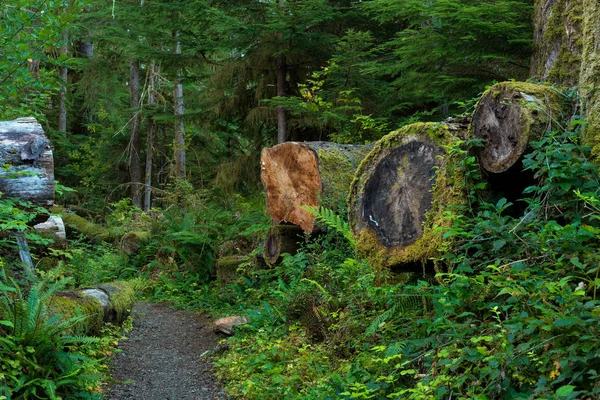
{"x": 163, "y": 357}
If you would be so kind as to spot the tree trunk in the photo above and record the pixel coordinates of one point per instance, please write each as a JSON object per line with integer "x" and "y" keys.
{"x": 281, "y": 86}
{"x": 149, "y": 143}
{"x": 589, "y": 83}
{"x": 312, "y": 174}
{"x": 227, "y": 268}
{"x": 179, "y": 145}
{"x": 135, "y": 167}
{"x": 27, "y": 151}
{"x": 281, "y": 239}
{"x": 508, "y": 116}
{"x": 400, "y": 193}
{"x": 62, "y": 95}
{"x": 557, "y": 41}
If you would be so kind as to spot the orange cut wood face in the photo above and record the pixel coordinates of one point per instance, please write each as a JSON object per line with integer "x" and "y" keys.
{"x": 290, "y": 175}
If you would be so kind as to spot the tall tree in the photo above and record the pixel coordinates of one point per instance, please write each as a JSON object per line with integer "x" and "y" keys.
{"x": 135, "y": 143}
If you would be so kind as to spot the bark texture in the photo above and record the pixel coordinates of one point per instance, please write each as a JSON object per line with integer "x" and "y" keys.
{"x": 589, "y": 78}
{"x": 135, "y": 143}
{"x": 508, "y": 116}
{"x": 27, "y": 151}
{"x": 400, "y": 193}
{"x": 179, "y": 145}
{"x": 313, "y": 174}
{"x": 557, "y": 41}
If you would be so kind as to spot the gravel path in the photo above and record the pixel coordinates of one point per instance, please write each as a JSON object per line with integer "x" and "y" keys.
{"x": 162, "y": 359}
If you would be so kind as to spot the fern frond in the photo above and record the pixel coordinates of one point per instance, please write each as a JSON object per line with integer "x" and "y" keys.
{"x": 332, "y": 220}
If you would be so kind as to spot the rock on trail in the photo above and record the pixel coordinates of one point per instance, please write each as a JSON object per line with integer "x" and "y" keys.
{"x": 163, "y": 357}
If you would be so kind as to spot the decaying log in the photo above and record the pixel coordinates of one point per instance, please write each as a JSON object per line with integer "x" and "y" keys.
{"x": 75, "y": 223}
{"x": 54, "y": 226}
{"x": 132, "y": 241}
{"x": 509, "y": 116}
{"x": 26, "y": 150}
{"x": 281, "y": 239}
{"x": 227, "y": 268}
{"x": 314, "y": 174}
{"x": 109, "y": 302}
{"x": 400, "y": 193}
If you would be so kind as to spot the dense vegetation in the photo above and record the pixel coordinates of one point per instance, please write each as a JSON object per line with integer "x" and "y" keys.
{"x": 513, "y": 311}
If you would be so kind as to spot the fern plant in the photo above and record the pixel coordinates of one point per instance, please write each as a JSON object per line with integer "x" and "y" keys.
{"x": 332, "y": 220}
{"x": 35, "y": 360}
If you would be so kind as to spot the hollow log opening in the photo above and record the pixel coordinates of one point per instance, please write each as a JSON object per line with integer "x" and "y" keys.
{"x": 510, "y": 185}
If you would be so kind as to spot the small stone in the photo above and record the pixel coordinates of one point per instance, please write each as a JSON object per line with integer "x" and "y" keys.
{"x": 226, "y": 325}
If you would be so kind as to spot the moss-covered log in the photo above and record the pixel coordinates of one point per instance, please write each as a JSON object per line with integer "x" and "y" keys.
{"x": 104, "y": 303}
{"x": 132, "y": 241}
{"x": 74, "y": 222}
{"x": 509, "y": 116}
{"x": 557, "y": 41}
{"x": 281, "y": 239}
{"x": 26, "y": 150}
{"x": 400, "y": 193}
{"x": 589, "y": 78}
{"x": 227, "y": 268}
{"x": 313, "y": 174}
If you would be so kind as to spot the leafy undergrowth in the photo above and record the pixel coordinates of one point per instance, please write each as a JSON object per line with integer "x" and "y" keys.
{"x": 515, "y": 315}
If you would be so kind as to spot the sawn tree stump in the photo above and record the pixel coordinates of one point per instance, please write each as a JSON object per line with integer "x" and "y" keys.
{"x": 509, "y": 116}
{"x": 315, "y": 174}
{"x": 400, "y": 194}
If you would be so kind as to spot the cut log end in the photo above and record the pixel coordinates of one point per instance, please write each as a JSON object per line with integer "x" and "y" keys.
{"x": 290, "y": 175}
{"x": 396, "y": 198}
{"x": 398, "y": 192}
{"x": 509, "y": 116}
{"x": 307, "y": 174}
{"x": 281, "y": 239}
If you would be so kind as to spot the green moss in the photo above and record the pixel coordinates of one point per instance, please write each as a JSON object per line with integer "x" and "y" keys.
{"x": 121, "y": 296}
{"x": 558, "y": 50}
{"x": 536, "y": 116}
{"x": 336, "y": 168}
{"x": 71, "y": 303}
{"x": 446, "y": 191}
{"x": 89, "y": 229}
{"x": 131, "y": 241}
{"x": 589, "y": 78}
{"x": 227, "y": 268}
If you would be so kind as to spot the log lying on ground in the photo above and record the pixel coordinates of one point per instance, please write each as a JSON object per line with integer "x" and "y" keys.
{"x": 74, "y": 222}
{"x": 400, "y": 193}
{"x": 315, "y": 174}
{"x": 132, "y": 241}
{"x": 281, "y": 239}
{"x": 227, "y": 268}
{"x": 509, "y": 116}
{"x": 104, "y": 303}
{"x": 26, "y": 149}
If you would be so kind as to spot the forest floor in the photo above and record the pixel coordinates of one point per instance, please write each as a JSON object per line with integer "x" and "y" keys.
{"x": 165, "y": 357}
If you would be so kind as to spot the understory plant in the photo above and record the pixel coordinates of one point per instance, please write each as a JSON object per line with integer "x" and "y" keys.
{"x": 514, "y": 315}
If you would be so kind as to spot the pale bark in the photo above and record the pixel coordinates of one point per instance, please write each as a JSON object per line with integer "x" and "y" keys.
{"x": 62, "y": 96}
{"x": 149, "y": 143}
{"x": 179, "y": 144}
{"x": 281, "y": 75}
{"x": 135, "y": 169}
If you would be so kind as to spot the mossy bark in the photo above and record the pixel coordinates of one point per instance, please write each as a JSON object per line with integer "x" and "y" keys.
{"x": 509, "y": 116}
{"x": 312, "y": 174}
{"x": 132, "y": 241}
{"x": 281, "y": 239}
{"x": 400, "y": 193}
{"x": 589, "y": 78}
{"x": 74, "y": 222}
{"x": 558, "y": 40}
{"x": 96, "y": 310}
{"x": 227, "y": 268}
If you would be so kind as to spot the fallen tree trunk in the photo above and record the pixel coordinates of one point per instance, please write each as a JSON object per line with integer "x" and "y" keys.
{"x": 509, "y": 116}
{"x": 26, "y": 150}
{"x": 313, "y": 174}
{"x": 400, "y": 193}
{"x": 110, "y": 302}
{"x": 74, "y": 222}
{"x": 281, "y": 239}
